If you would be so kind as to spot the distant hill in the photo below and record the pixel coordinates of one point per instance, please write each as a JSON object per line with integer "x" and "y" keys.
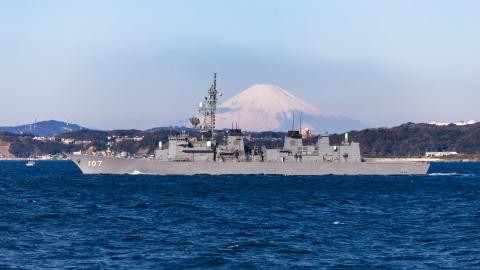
{"x": 43, "y": 128}
{"x": 413, "y": 140}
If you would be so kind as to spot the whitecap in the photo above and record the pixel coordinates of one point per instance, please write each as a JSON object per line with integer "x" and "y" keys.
{"x": 135, "y": 172}
{"x": 450, "y": 174}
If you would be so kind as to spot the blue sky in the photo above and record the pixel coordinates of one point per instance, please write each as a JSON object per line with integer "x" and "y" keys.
{"x": 139, "y": 64}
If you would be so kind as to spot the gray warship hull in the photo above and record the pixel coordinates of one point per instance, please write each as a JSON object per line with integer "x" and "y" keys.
{"x": 113, "y": 165}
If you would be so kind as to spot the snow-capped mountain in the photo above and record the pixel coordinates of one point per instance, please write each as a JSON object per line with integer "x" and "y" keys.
{"x": 265, "y": 107}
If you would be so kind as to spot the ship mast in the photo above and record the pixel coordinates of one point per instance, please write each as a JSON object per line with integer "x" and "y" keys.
{"x": 209, "y": 110}
{"x": 212, "y": 92}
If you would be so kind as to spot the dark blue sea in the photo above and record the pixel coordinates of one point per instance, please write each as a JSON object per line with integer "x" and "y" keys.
{"x": 53, "y": 217}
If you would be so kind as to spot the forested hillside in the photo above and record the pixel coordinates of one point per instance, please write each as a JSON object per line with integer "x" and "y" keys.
{"x": 413, "y": 140}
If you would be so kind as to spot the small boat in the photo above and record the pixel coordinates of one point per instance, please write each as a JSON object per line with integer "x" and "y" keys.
{"x": 30, "y": 163}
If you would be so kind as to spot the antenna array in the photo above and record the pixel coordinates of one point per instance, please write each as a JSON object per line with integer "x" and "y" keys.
{"x": 209, "y": 110}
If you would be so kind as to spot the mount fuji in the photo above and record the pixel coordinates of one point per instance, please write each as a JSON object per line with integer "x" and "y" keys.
{"x": 265, "y": 107}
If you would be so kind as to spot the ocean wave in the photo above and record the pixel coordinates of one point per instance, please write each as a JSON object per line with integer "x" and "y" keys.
{"x": 452, "y": 174}
{"x": 135, "y": 172}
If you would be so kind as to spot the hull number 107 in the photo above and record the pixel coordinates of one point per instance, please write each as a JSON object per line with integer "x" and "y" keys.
{"x": 94, "y": 163}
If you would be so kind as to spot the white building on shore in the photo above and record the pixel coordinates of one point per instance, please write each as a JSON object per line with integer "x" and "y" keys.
{"x": 440, "y": 154}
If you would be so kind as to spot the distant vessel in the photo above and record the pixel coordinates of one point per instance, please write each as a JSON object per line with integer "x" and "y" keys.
{"x": 30, "y": 163}
{"x": 187, "y": 155}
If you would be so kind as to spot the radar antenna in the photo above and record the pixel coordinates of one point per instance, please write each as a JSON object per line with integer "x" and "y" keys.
{"x": 194, "y": 121}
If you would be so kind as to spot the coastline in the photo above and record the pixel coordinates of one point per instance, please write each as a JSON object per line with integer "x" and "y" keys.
{"x": 474, "y": 158}
{"x": 378, "y": 160}
{"x": 35, "y": 159}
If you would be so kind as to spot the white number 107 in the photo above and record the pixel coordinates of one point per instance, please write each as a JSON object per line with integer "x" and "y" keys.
{"x": 94, "y": 163}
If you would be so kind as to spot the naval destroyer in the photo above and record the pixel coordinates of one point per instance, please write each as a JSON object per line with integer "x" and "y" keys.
{"x": 188, "y": 155}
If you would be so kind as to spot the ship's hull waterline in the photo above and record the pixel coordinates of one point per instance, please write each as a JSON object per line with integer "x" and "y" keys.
{"x": 112, "y": 165}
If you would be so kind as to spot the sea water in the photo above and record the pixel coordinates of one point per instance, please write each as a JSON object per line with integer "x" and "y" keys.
{"x": 53, "y": 217}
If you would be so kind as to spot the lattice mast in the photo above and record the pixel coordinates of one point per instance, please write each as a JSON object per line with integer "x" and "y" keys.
{"x": 209, "y": 110}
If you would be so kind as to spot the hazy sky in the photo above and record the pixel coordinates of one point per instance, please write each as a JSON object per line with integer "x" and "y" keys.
{"x": 140, "y": 64}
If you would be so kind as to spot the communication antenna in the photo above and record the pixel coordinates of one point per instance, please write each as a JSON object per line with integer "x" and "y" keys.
{"x": 293, "y": 120}
{"x": 300, "y": 122}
